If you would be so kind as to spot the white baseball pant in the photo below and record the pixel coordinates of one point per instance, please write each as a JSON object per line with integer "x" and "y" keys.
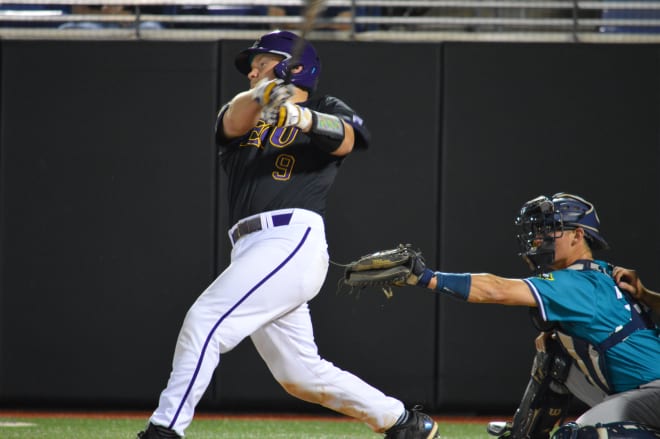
{"x": 263, "y": 294}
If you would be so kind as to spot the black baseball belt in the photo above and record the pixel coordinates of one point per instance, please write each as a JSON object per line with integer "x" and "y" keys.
{"x": 254, "y": 225}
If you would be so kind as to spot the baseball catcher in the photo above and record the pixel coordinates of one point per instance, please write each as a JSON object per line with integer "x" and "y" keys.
{"x": 601, "y": 342}
{"x": 395, "y": 267}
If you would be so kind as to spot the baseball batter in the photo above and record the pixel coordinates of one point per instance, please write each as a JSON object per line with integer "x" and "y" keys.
{"x": 281, "y": 148}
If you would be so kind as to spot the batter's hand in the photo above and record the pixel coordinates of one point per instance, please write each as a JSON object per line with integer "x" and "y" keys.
{"x": 272, "y": 93}
{"x": 288, "y": 115}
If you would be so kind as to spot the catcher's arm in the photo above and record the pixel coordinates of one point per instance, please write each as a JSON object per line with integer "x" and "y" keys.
{"x": 404, "y": 266}
{"x": 483, "y": 288}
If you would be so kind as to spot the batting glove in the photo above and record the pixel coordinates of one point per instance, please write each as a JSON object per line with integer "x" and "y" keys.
{"x": 271, "y": 93}
{"x": 288, "y": 115}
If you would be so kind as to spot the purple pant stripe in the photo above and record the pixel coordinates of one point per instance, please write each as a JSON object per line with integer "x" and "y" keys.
{"x": 225, "y": 315}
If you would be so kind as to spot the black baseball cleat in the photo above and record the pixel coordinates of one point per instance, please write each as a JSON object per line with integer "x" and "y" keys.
{"x": 157, "y": 432}
{"x": 418, "y": 426}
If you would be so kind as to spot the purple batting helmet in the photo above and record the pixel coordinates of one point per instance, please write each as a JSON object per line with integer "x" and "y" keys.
{"x": 281, "y": 42}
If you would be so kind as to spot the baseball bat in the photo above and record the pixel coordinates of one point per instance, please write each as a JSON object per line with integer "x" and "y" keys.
{"x": 310, "y": 13}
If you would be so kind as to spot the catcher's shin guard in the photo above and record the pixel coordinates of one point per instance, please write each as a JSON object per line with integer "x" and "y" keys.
{"x": 544, "y": 402}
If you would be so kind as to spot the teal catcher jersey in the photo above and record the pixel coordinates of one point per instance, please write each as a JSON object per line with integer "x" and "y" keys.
{"x": 587, "y": 304}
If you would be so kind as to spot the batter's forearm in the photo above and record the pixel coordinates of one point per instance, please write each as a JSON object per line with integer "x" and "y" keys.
{"x": 241, "y": 115}
{"x": 346, "y": 146}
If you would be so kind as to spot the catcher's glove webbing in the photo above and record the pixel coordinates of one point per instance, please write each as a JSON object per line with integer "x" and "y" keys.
{"x": 395, "y": 267}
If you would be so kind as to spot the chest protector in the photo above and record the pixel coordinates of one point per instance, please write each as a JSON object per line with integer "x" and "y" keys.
{"x": 590, "y": 358}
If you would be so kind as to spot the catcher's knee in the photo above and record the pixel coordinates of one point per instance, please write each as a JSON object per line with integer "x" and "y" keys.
{"x": 614, "y": 430}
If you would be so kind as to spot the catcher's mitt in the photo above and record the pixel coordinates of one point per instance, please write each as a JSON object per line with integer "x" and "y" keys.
{"x": 395, "y": 267}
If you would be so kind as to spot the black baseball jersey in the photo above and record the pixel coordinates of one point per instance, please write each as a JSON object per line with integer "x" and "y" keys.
{"x": 273, "y": 168}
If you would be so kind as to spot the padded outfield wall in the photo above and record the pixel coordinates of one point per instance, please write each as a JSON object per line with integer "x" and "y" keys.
{"x": 113, "y": 216}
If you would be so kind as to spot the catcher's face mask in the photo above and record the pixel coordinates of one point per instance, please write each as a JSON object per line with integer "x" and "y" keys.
{"x": 539, "y": 225}
{"x": 543, "y": 220}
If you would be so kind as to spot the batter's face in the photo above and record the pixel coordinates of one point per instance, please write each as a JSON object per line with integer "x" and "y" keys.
{"x": 262, "y": 66}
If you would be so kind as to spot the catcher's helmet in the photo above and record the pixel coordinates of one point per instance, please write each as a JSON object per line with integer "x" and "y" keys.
{"x": 577, "y": 212}
{"x": 541, "y": 218}
{"x": 281, "y": 42}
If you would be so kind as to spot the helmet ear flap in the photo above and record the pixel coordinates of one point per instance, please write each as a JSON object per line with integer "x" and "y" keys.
{"x": 282, "y": 69}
